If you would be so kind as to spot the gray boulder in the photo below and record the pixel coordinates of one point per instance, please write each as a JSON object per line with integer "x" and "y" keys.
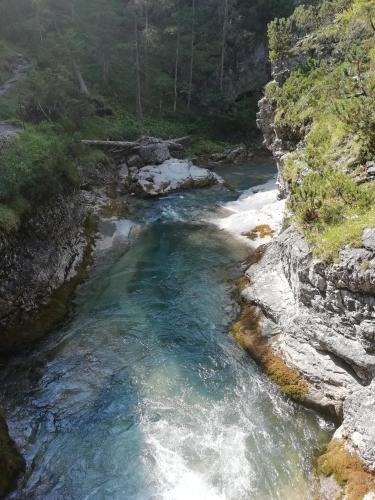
{"x": 173, "y": 175}
{"x": 153, "y": 151}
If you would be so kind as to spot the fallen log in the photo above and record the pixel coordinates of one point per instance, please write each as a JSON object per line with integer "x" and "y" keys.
{"x": 173, "y": 144}
{"x": 112, "y": 144}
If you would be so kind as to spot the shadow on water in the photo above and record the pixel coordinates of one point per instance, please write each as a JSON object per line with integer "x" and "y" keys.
{"x": 143, "y": 394}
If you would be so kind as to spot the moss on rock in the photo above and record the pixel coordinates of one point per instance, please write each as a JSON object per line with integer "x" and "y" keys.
{"x": 348, "y": 470}
{"x": 262, "y": 231}
{"x": 247, "y": 332}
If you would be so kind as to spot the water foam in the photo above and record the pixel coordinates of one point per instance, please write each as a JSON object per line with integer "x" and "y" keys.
{"x": 256, "y": 206}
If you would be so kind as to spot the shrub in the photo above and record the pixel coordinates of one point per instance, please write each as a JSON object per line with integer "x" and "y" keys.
{"x": 51, "y": 94}
{"x": 34, "y": 166}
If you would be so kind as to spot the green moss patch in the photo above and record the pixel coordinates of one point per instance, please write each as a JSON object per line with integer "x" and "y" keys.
{"x": 247, "y": 333}
{"x": 348, "y": 470}
{"x": 262, "y": 231}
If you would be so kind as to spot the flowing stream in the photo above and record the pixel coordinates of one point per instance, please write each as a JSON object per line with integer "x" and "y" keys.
{"x": 142, "y": 393}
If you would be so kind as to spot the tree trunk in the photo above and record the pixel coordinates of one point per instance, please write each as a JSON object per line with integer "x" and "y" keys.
{"x": 73, "y": 11}
{"x": 176, "y": 61}
{"x": 146, "y": 66}
{"x": 82, "y": 84}
{"x": 191, "y": 55}
{"x": 139, "y": 107}
{"x": 105, "y": 69}
{"x": 223, "y": 44}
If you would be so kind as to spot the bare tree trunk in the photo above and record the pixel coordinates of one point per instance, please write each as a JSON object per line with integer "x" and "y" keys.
{"x": 191, "y": 55}
{"x": 147, "y": 79}
{"x": 139, "y": 107}
{"x": 176, "y": 60}
{"x": 73, "y": 11}
{"x": 82, "y": 84}
{"x": 224, "y": 40}
{"x": 105, "y": 69}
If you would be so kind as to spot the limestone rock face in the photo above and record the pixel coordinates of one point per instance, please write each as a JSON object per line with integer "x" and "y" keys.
{"x": 275, "y": 139}
{"x": 321, "y": 320}
{"x": 172, "y": 175}
{"x": 359, "y": 423}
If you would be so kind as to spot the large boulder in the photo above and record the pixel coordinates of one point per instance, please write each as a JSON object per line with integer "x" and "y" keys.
{"x": 153, "y": 151}
{"x": 173, "y": 175}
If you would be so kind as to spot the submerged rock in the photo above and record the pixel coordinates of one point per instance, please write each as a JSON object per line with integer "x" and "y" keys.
{"x": 238, "y": 154}
{"x": 173, "y": 175}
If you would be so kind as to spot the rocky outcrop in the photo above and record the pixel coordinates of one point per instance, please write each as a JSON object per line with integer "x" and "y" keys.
{"x": 11, "y": 462}
{"x": 172, "y": 175}
{"x": 321, "y": 321}
{"x": 320, "y": 313}
{"x": 237, "y": 154}
{"x": 43, "y": 261}
{"x": 275, "y": 139}
{"x": 35, "y": 261}
{"x": 279, "y": 141}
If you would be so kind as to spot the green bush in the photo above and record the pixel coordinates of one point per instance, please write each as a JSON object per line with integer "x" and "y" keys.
{"x": 327, "y": 107}
{"x": 51, "y": 94}
{"x": 34, "y": 166}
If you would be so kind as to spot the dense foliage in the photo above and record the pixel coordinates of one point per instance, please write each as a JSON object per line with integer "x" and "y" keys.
{"x": 327, "y": 108}
{"x": 119, "y": 69}
{"x": 152, "y": 56}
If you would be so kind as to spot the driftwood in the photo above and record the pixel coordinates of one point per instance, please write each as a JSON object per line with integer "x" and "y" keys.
{"x": 113, "y": 144}
{"x": 173, "y": 144}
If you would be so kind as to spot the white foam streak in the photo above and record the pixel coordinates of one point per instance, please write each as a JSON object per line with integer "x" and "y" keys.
{"x": 208, "y": 464}
{"x": 256, "y": 206}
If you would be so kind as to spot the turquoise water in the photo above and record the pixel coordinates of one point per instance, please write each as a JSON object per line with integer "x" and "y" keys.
{"x": 142, "y": 393}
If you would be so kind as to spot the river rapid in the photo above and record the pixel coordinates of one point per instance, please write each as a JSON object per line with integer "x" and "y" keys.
{"x": 142, "y": 393}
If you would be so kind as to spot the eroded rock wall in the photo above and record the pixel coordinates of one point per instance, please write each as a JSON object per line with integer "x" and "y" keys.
{"x": 34, "y": 261}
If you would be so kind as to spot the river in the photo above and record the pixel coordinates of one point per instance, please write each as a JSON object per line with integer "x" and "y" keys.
{"x": 142, "y": 393}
